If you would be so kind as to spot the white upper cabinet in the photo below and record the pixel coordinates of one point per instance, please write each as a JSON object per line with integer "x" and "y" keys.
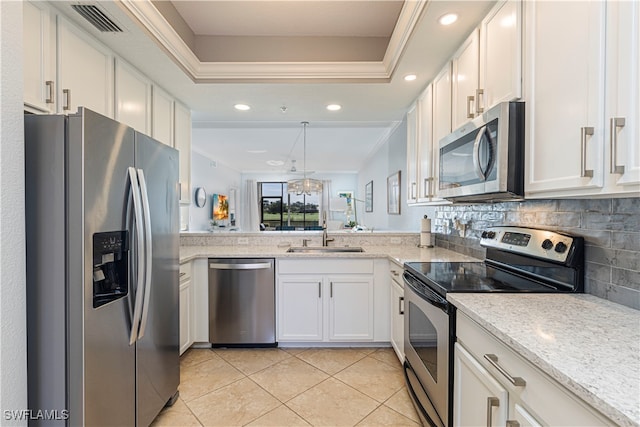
{"x": 487, "y": 68}
{"x": 412, "y": 153}
{"x": 622, "y": 115}
{"x": 85, "y": 72}
{"x": 182, "y": 142}
{"x": 500, "y": 55}
{"x": 39, "y": 60}
{"x": 426, "y": 152}
{"x": 162, "y": 118}
{"x": 133, "y": 97}
{"x": 572, "y": 98}
{"x": 465, "y": 81}
{"x": 442, "y": 105}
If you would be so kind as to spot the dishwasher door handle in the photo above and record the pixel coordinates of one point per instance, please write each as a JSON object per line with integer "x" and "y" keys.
{"x": 250, "y": 266}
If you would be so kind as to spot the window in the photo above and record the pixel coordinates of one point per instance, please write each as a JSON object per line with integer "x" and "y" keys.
{"x": 280, "y": 210}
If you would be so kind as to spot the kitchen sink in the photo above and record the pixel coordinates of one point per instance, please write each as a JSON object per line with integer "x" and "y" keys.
{"x": 324, "y": 249}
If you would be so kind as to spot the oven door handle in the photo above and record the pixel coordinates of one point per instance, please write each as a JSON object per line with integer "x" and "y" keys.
{"x": 426, "y": 293}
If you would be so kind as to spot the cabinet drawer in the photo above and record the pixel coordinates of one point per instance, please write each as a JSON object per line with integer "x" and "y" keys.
{"x": 325, "y": 266}
{"x": 185, "y": 271}
{"x": 547, "y": 399}
{"x": 395, "y": 271}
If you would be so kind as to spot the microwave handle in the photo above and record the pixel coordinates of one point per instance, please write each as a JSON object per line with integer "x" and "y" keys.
{"x": 476, "y": 154}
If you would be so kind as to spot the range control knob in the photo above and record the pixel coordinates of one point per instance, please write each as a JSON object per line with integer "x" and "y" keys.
{"x": 560, "y": 247}
{"x": 484, "y": 235}
{"x": 491, "y": 234}
{"x": 547, "y": 244}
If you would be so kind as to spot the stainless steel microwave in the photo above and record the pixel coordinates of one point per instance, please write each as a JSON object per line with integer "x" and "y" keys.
{"x": 483, "y": 160}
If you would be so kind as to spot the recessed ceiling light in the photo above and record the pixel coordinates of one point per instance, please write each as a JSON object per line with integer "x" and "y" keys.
{"x": 410, "y": 77}
{"x": 448, "y": 19}
{"x": 334, "y": 107}
{"x": 275, "y": 162}
{"x": 242, "y": 107}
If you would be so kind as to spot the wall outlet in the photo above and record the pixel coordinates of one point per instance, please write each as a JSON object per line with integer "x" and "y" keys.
{"x": 243, "y": 240}
{"x": 395, "y": 241}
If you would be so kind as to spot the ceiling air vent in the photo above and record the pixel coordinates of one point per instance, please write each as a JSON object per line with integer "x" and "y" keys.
{"x": 97, "y": 18}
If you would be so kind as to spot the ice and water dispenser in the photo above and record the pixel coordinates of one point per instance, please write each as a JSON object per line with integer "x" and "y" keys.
{"x": 110, "y": 266}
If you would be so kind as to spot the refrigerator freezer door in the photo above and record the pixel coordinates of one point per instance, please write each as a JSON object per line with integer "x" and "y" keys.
{"x": 158, "y": 369}
{"x": 101, "y": 384}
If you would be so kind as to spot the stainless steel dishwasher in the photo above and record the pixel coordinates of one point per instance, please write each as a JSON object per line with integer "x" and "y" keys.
{"x": 242, "y": 302}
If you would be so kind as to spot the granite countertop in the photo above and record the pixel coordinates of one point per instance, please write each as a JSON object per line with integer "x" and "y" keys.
{"x": 588, "y": 344}
{"x": 399, "y": 253}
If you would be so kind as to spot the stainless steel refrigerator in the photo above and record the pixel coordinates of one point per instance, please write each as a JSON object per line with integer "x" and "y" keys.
{"x": 102, "y": 271}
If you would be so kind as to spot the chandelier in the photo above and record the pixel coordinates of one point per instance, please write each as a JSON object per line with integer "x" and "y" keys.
{"x": 304, "y": 185}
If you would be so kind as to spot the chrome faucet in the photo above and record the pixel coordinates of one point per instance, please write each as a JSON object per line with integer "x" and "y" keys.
{"x": 325, "y": 240}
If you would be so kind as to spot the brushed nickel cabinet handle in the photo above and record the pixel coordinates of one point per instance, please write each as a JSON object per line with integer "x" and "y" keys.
{"x": 413, "y": 190}
{"x": 50, "y": 99}
{"x": 479, "y": 93}
{"x": 493, "y": 360}
{"x": 470, "y": 99}
{"x": 400, "y": 308}
{"x": 330, "y": 289}
{"x": 427, "y": 187}
{"x": 584, "y": 132}
{"x": 319, "y": 289}
{"x": 615, "y": 123}
{"x": 512, "y": 423}
{"x": 491, "y": 403}
{"x": 183, "y": 274}
{"x": 67, "y": 95}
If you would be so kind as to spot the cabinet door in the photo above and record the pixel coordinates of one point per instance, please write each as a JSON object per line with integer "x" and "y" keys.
{"x": 426, "y": 172}
{"x": 350, "y": 308}
{"x": 186, "y": 291}
{"x": 622, "y": 120}
{"x": 182, "y": 141}
{"x": 465, "y": 81}
{"x": 300, "y": 308}
{"x": 85, "y": 72}
{"x": 38, "y": 65}
{"x": 133, "y": 97}
{"x": 397, "y": 319}
{"x": 200, "y": 307}
{"x": 412, "y": 153}
{"x": 162, "y": 117}
{"x": 565, "y": 96}
{"x": 478, "y": 399}
{"x": 501, "y": 55}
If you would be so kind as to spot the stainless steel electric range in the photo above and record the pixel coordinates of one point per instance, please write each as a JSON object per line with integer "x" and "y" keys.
{"x": 518, "y": 259}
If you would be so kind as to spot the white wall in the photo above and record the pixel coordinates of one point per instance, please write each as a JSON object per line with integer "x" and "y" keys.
{"x": 13, "y": 333}
{"x": 390, "y": 158}
{"x": 215, "y": 178}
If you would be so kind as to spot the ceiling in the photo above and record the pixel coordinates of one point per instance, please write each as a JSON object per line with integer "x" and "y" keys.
{"x": 287, "y": 60}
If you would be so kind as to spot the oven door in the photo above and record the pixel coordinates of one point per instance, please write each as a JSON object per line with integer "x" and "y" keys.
{"x": 427, "y": 348}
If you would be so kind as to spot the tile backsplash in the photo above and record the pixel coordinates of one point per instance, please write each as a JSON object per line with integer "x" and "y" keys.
{"x": 611, "y": 228}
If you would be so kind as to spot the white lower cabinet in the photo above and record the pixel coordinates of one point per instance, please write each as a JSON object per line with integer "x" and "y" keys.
{"x": 186, "y": 302}
{"x": 313, "y": 305}
{"x": 200, "y": 307}
{"x": 493, "y": 385}
{"x": 397, "y": 310}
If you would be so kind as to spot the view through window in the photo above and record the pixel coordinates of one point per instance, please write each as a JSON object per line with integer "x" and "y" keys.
{"x": 280, "y": 210}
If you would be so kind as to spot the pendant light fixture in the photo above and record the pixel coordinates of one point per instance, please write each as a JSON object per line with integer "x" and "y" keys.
{"x": 304, "y": 185}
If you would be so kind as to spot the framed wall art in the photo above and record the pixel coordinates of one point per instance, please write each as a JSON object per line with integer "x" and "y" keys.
{"x": 393, "y": 194}
{"x": 368, "y": 197}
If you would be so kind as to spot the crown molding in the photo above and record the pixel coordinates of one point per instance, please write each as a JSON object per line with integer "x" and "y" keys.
{"x": 154, "y": 23}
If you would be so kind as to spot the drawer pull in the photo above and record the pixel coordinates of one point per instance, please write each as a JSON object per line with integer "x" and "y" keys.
{"x": 491, "y": 403}
{"x": 512, "y": 423}
{"x": 516, "y": 381}
{"x": 395, "y": 273}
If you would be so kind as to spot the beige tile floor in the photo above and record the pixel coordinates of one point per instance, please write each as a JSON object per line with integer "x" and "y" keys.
{"x": 290, "y": 387}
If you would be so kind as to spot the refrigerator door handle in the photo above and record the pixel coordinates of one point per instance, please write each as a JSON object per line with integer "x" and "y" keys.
{"x": 148, "y": 252}
{"x": 138, "y": 223}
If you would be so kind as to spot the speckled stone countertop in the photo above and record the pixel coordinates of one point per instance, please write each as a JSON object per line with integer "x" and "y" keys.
{"x": 399, "y": 253}
{"x": 588, "y": 344}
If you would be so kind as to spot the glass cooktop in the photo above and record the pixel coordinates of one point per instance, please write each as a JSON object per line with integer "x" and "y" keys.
{"x": 446, "y": 277}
